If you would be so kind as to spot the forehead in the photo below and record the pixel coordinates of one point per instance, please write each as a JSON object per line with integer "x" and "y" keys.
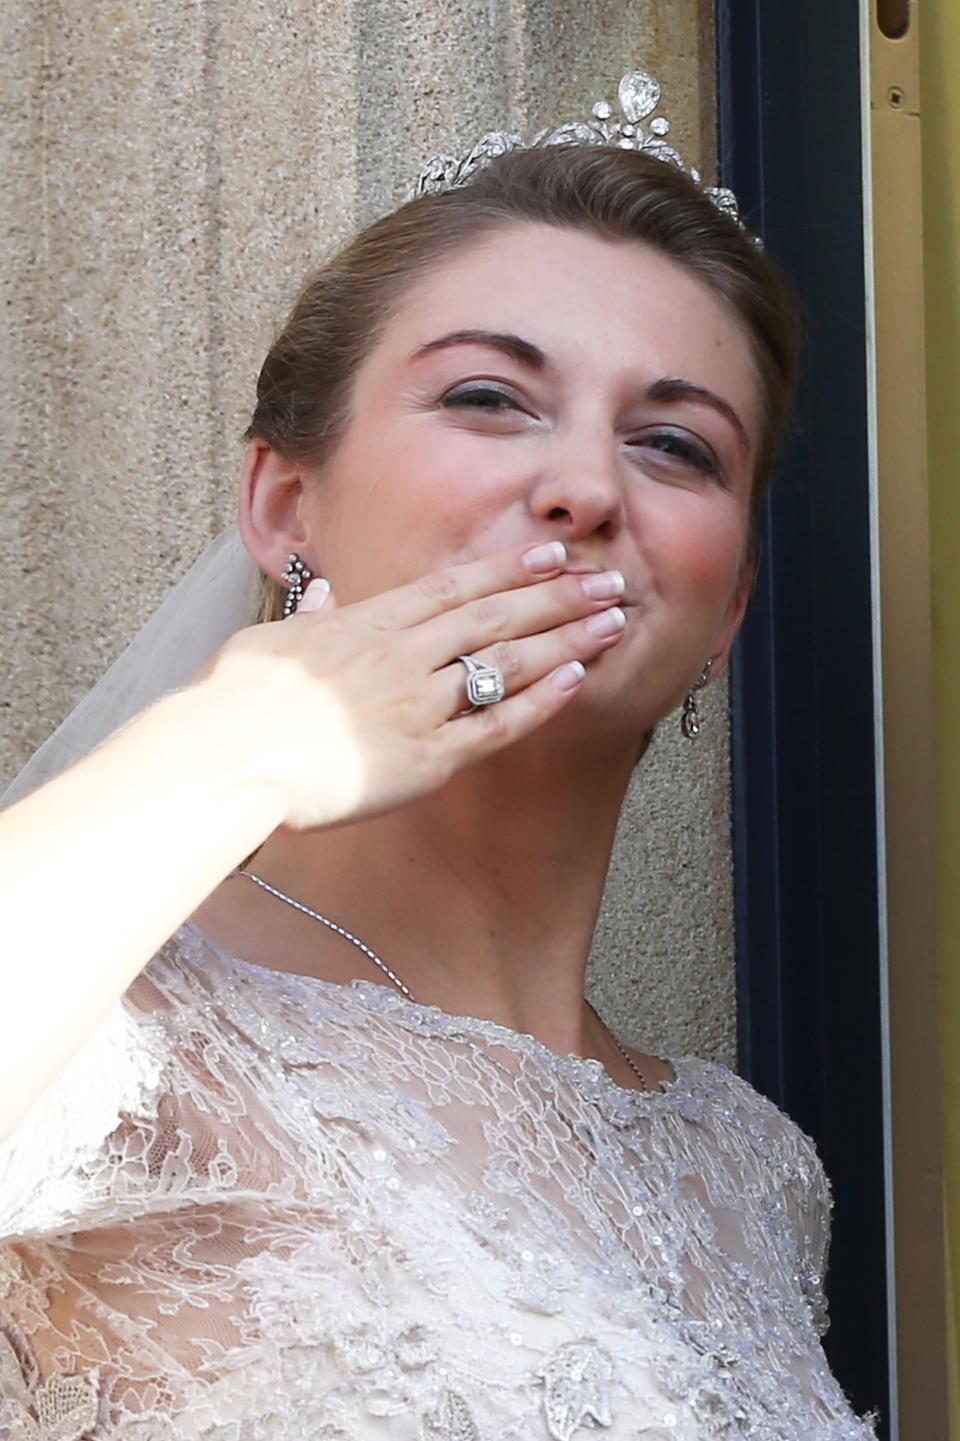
{"x": 600, "y": 309}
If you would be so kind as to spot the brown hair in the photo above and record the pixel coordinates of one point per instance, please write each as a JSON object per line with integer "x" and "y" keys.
{"x": 305, "y": 385}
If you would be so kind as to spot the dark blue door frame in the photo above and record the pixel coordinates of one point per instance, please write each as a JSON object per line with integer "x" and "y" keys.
{"x": 804, "y": 799}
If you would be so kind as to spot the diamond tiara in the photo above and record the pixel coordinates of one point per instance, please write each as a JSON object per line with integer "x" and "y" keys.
{"x": 638, "y": 96}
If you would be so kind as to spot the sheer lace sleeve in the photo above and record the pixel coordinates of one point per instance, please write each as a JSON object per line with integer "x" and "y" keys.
{"x": 45, "y": 1164}
{"x": 801, "y": 1200}
{"x": 815, "y": 1244}
{"x": 807, "y": 1202}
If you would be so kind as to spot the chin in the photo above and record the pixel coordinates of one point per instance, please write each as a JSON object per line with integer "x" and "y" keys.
{"x": 604, "y": 725}
{"x": 621, "y": 698}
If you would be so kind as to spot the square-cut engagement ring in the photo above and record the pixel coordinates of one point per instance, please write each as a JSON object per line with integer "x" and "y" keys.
{"x": 485, "y": 683}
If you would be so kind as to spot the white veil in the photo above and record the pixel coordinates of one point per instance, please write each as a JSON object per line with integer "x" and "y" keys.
{"x": 218, "y": 596}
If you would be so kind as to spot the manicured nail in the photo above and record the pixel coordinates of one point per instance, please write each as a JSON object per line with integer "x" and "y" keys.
{"x": 608, "y": 622}
{"x": 315, "y": 595}
{"x": 547, "y": 557}
{"x": 601, "y": 587}
{"x": 569, "y": 676}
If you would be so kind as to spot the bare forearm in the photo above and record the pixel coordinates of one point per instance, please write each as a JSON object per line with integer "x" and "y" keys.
{"x": 102, "y": 864}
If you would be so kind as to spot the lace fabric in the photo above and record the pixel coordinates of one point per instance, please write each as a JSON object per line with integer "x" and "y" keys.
{"x": 263, "y": 1207}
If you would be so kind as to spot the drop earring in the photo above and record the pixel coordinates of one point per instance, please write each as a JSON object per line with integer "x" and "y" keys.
{"x": 690, "y": 718}
{"x": 296, "y": 576}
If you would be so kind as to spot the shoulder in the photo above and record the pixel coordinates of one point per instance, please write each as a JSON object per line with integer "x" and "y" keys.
{"x": 784, "y": 1148}
{"x": 277, "y": 1019}
{"x": 729, "y": 1103}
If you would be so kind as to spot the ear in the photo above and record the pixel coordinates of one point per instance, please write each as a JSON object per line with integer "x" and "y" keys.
{"x": 271, "y": 490}
{"x": 737, "y": 610}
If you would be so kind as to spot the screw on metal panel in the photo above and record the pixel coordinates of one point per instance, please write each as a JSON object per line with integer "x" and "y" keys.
{"x": 895, "y": 96}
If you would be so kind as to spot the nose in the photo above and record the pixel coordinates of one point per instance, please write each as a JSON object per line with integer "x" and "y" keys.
{"x": 581, "y": 492}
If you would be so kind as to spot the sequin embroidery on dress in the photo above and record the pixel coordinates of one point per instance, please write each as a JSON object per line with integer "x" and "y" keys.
{"x": 256, "y": 1206}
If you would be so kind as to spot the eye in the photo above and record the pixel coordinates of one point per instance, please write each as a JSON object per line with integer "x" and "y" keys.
{"x": 480, "y": 397}
{"x": 678, "y": 446}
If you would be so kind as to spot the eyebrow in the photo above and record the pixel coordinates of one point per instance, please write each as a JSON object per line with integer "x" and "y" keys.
{"x": 668, "y": 388}
{"x": 523, "y": 350}
{"x": 672, "y": 387}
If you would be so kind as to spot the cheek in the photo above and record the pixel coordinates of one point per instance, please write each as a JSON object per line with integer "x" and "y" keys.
{"x": 392, "y": 509}
{"x": 696, "y": 551}
{"x": 450, "y": 488}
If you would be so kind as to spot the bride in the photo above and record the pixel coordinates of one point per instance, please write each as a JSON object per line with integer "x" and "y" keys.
{"x": 309, "y": 1129}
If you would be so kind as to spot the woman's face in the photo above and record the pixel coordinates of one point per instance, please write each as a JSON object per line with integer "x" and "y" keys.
{"x": 548, "y": 384}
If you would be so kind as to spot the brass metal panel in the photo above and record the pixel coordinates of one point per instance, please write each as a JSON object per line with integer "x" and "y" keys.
{"x": 907, "y": 720}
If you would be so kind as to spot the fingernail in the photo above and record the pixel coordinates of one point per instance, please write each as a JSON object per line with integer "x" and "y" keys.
{"x": 605, "y": 585}
{"x": 608, "y": 622}
{"x": 545, "y": 557}
{"x": 315, "y": 595}
{"x": 569, "y": 676}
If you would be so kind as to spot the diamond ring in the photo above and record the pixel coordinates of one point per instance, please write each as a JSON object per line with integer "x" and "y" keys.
{"x": 485, "y": 684}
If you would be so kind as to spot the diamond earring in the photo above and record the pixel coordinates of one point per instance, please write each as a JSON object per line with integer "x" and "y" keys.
{"x": 296, "y": 576}
{"x": 690, "y": 719}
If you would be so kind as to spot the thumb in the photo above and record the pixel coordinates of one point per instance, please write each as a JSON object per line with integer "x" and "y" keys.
{"x": 317, "y": 596}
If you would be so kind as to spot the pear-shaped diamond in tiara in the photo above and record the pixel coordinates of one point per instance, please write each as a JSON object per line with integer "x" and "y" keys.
{"x": 638, "y": 95}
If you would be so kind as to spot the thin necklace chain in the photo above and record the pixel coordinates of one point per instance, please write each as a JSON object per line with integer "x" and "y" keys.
{"x": 372, "y": 955}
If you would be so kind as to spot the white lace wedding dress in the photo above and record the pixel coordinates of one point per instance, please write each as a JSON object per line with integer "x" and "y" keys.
{"x": 261, "y": 1207}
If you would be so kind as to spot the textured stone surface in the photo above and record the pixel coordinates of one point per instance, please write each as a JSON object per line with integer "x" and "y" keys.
{"x": 662, "y": 960}
{"x": 171, "y": 171}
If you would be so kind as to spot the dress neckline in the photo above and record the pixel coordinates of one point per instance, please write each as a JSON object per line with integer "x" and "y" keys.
{"x": 587, "y": 1073}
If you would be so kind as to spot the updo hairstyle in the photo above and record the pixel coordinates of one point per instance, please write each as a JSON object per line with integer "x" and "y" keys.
{"x": 305, "y": 385}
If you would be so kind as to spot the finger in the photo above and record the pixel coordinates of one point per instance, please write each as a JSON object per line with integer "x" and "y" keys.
{"x": 510, "y": 615}
{"x": 471, "y": 737}
{"x": 524, "y": 662}
{"x": 445, "y": 590}
{"x": 317, "y": 596}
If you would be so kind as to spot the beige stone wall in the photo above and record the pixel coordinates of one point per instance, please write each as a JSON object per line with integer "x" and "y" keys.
{"x": 171, "y": 171}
